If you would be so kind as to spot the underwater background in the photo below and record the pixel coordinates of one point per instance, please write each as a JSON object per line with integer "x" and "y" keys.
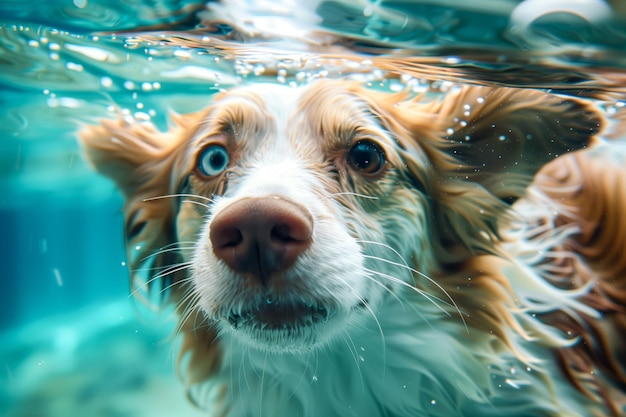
{"x": 72, "y": 340}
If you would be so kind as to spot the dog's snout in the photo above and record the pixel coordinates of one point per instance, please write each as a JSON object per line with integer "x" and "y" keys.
{"x": 261, "y": 236}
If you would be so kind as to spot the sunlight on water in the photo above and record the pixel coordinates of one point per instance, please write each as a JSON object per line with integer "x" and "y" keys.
{"x": 69, "y": 345}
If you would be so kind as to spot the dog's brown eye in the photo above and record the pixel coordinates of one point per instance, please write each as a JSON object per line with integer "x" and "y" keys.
{"x": 213, "y": 160}
{"x": 366, "y": 156}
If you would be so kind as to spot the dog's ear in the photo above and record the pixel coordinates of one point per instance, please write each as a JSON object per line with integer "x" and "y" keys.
{"x": 141, "y": 161}
{"x": 500, "y": 137}
{"x": 483, "y": 147}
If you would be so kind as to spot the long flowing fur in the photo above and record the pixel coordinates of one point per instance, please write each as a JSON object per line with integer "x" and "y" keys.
{"x": 462, "y": 282}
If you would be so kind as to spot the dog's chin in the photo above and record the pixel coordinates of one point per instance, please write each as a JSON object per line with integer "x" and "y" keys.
{"x": 286, "y": 328}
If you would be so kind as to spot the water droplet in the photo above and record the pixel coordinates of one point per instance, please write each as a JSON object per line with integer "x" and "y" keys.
{"x": 480, "y": 100}
{"x": 43, "y": 246}
{"x": 450, "y": 131}
{"x": 502, "y": 138}
{"x": 138, "y": 247}
{"x": 57, "y": 276}
{"x": 433, "y": 402}
{"x": 72, "y": 66}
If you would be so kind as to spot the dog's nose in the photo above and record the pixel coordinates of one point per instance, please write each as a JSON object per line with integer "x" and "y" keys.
{"x": 261, "y": 236}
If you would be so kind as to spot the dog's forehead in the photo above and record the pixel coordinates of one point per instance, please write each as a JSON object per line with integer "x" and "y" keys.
{"x": 305, "y": 119}
{"x": 278, "y": 100}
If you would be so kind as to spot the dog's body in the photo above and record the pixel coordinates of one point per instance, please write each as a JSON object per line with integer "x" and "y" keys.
{"x": 355, "y": 253}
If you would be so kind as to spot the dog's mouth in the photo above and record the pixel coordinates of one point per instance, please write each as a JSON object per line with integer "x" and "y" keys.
{"x": 286, "y": 326}
{"x": 275, "y": 315}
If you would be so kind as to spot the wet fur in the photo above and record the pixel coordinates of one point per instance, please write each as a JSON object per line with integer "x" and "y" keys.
{"x": 485, "y": 294}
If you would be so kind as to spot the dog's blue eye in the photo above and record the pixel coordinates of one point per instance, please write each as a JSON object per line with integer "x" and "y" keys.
{"x": 213, "y": 160}
{"x": 366, "y": 156}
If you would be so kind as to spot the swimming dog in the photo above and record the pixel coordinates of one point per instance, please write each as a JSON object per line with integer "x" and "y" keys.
{"x": 338, "y": 251}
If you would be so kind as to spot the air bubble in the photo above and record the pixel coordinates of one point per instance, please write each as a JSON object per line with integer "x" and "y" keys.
{"x": 258, "y": 69}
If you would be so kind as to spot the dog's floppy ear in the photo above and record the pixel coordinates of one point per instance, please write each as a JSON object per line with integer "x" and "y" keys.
{"x": 141, "y": 161}
{"x": 483, "y": 147}
{"x": 500, "y": 137}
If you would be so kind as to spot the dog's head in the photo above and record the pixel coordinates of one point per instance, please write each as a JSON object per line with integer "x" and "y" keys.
{"x": 295, "y": 211}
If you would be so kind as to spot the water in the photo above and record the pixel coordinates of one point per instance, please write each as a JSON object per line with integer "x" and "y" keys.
{"x": 72, "y": 342}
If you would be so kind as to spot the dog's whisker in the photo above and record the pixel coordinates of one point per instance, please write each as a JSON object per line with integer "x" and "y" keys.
{"x": 302, "y": 376}
{"x": 365, "y": 304}
{"x": 190, "y": 301}
{"x": 421, "y": 274}
{"x": 198, "y": 196}
{"x": 369, "y": 275}
{"x": 384, "y": 245}
{"x": 168, "y": 270}
{"x": 169, "y": 250}
{"x": 206, "y": 206}
{"x": 174, "y": 284}
{"x": 430, "y": 297}
{"x": 354, "y": 194}
{"x": 355, "y": 355}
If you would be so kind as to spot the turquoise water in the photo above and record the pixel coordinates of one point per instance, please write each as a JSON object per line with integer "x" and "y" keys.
{"x": 71, "y": 340}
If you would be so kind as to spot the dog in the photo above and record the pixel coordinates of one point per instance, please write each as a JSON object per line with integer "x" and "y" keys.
{"x": 333, "y": 250}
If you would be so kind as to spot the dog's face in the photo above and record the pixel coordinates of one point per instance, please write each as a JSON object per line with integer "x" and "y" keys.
{"x": 295, "y": 180}
{"x": 299, "y": 210}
